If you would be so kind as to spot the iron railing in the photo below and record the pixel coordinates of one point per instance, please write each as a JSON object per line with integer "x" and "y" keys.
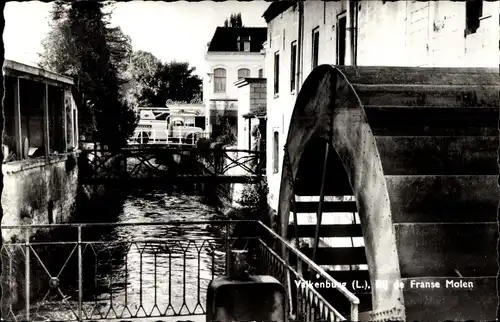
{"x": 176, "y": 137}
{"x": 158, "y": 162}
{"x": 84, "y": 276}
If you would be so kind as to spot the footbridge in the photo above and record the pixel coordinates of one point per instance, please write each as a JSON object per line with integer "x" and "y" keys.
{"x": 152, "y": 164}
{"x": 401, "y": 165}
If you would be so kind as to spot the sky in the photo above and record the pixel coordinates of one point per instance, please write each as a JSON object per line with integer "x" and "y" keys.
{"x": 170, "y": 31}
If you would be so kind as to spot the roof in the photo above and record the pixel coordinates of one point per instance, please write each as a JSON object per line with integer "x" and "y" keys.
{"x": 258, "y": 114}
{"x": 277, "y": 7}
{"x": 226, "y": 38}
{"x": 13, "y": 68}
{"x": 249, "y": 80}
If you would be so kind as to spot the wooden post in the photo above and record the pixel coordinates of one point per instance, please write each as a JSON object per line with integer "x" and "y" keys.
{"x": 321, "y": 199}
{"x": 17, "y": 119}
{"x": 46, "y": 117}
{"x": 296, "y": 223}
{"x": 75, "y": 124}
{"x": 65, "y": 121}
{"x": 249, "y": 134}
{"x": 73, "y": 132}
{"x": 348, "y": 34}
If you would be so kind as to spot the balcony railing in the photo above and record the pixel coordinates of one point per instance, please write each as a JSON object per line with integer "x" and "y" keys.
{"x": 146, "y": 135}
{"x": 83, "y": 276}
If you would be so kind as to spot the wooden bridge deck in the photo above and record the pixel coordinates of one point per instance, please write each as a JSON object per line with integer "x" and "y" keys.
{"x": 170, "y": 179}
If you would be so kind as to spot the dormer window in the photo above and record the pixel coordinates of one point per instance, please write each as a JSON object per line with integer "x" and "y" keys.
{"x": 244, "y": 43}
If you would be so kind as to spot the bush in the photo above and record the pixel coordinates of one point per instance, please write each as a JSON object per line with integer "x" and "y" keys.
{"x": 254, "y": 201}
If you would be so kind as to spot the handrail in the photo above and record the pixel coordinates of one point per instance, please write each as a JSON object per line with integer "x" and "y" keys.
{"x": 176, "y": 148}
{"x": 164, "y": 223}
{"x": 354, "y": 301}
{"x": 165, "y": 137}
{"x": 353, "y": 298}
{"x": 350, "y": 296}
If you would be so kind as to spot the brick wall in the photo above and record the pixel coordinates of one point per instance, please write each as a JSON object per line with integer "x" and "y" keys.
{"x": 258, "y": 96}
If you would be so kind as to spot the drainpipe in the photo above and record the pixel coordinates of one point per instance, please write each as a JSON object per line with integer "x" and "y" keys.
{"x": 298, "y": 77}
{"x": 348, "y": 30}
{"x": 354, "y": 33}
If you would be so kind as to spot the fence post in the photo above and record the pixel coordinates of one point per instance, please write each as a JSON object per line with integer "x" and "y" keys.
{"x": 80, "y": 273}
{"x": 27, "y": 272}
{"x": 228, "y": 257}
{"x": 354, "y": 312}
{"x": 298, "y": 296}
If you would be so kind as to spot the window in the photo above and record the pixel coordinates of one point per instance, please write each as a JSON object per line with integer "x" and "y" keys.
{"x": 473, "y": 14}
{"x": 243, "y": 72}
{"x": 276, "y": 151}
{"x": 276, "y": 73}
{"x": 315, "y": 47}
{"x": 261, "y": 73}
{"x": 341, "y": 39}
{"x": 293, "y": 64}
{"x": 219, "y": 80}
{"x": 244, "y": 43}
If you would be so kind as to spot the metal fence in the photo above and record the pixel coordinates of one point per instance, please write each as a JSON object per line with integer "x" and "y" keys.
{"x": 157, "y": 162}
{"x": 82, "y": 276}
{"x": 176, "y": 137}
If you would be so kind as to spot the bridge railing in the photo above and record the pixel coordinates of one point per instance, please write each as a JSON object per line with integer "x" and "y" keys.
{"x": 160, "y": 162}
{"x": 80, "y": 272}
{"x": 177, "y": 136}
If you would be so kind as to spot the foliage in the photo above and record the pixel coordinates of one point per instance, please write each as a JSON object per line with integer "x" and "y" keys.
{"x": 234, "y": 21}
{"x": 83, "y": 45}
{"x": 254, "y": 200}
{"x": 174, "y": 81}
{"x": 254, "y": 197}
{"x": 152, "y": 82}
{"x": 141, "y": 71}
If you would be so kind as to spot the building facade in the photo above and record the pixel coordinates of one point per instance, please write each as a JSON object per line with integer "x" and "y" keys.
{"x": 365, "y": 33}
{"x": 232, "y": 54}
{"x": 40, "y": 146}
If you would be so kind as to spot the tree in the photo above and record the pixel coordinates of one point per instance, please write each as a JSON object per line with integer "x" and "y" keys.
{"x": 82, "y": 44}
{"x": 234, "y": 21}
{"x": 174, "y": 81}
{"x": 120, "y": 47}
{"x": 141, "y": 71}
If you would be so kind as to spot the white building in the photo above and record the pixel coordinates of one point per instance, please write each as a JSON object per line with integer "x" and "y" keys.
{"x": 232, "y": 54}
{"x": 382, "y": 33}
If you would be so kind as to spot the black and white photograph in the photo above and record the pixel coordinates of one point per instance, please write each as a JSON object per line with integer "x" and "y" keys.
{"x": 285, "y": 161}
